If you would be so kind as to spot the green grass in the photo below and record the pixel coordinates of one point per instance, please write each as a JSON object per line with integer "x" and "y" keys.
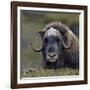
{"x": 51, "y": 72}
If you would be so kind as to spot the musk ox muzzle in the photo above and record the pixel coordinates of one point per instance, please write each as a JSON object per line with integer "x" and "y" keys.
{"x": 60, "y": 46}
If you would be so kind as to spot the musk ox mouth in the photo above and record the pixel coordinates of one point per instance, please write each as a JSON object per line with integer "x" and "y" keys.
{"x": 52, "y": 57}
{"x": 52, "y": 60}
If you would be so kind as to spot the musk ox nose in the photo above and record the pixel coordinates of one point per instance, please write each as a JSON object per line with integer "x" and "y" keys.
{"x": 51, "y": 49}
{"x": 51, "y": 54}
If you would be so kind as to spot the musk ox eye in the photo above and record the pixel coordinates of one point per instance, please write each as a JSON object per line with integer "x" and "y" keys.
{"x": 57, "y": 39}
{"x": 46, "y": 40}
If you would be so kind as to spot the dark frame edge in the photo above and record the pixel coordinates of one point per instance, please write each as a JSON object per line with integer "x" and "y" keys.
{"x": 86, "y": 44}
{"x": 48, "y": 5}
{"x": 13, "y": 45}
{"x": 53, "y": 84}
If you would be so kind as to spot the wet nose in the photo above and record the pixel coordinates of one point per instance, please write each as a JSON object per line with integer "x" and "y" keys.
{"x": 51, "y": 54}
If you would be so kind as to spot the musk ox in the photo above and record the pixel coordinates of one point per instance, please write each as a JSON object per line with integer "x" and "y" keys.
{"x": 60, "y": 46}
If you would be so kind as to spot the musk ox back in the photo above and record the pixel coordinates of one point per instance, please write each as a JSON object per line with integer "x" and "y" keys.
{"x": 60, "y": 46}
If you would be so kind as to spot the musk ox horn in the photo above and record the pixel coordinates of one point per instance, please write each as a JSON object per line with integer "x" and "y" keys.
{"x": 36, "y": 50}
{"x": 68, "y": 46}
{"x": 39, "y": 49}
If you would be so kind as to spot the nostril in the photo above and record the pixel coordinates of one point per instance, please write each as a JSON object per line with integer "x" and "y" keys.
{"x": 52, "y": 54}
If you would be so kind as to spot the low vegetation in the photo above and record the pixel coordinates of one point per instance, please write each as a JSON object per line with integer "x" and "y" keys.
{"x": 51, "y": 72}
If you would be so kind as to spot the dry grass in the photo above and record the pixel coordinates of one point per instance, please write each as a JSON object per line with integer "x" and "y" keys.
{"x": 51, "y": 72}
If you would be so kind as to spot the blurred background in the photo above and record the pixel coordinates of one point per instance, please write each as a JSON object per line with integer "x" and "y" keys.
{"x": 34, "y": 21}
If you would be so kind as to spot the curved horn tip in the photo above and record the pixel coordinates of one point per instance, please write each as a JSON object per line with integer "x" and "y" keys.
{"x": 36, "y": 50}
{"x": 67, "y": 47}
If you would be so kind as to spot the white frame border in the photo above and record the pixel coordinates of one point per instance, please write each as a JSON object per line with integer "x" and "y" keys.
{"x": 52, "y": 78}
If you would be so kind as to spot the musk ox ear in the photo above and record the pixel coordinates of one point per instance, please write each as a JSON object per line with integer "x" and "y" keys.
{"x": 41, "y": 33}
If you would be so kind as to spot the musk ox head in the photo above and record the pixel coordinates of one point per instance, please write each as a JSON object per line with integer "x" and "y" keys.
{"x": 56, "y": 38}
